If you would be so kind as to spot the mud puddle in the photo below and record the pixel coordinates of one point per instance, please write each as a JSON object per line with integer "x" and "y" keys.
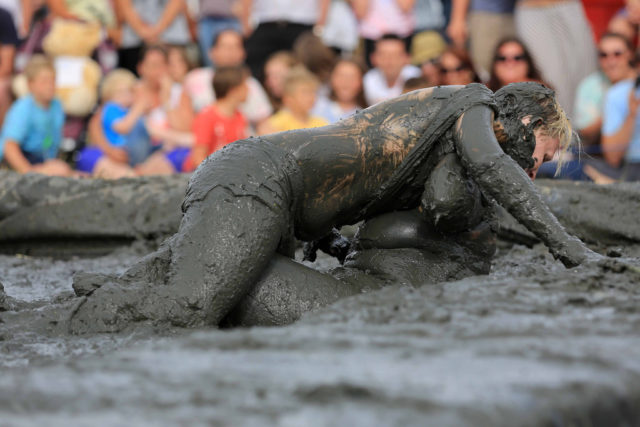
{"x": 531, "y": 344}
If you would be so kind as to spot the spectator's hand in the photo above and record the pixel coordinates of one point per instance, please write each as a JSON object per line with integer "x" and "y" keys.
{"x": 149, "y": 34}
{"x": 457, "y": 31}
{"x": 143, "y": 102}
{"x": 634, "y": 102}
{"x": 118, "y": 155}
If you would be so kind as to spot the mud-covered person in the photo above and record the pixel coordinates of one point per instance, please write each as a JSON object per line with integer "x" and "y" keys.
{"x": 32, "y": 129}
{"x": 246, "y": 202}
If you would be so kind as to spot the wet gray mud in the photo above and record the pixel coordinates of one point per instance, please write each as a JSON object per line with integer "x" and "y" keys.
{"x": 532, "y": 343}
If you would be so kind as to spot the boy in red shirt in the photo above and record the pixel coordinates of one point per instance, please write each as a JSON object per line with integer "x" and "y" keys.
{"x": 221, "y": 122}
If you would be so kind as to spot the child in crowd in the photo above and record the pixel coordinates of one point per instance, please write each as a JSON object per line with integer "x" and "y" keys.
{"x": 179, "y": 110}
{"x": 275, "y": 72}
{"x": 298, "y": 99}
{"x": 119, "y": 116}
{"x": 221, "y": 122}
{"x": 346, "y": 95}
{"x": 32, "y": 129}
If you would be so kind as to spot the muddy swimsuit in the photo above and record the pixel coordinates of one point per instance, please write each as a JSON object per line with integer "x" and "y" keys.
{"x": 246, "y": 204}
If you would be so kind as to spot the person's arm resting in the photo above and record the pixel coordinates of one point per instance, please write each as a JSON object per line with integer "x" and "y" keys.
{"x": 15, "y": 158}
{"x": 499, "y": 176}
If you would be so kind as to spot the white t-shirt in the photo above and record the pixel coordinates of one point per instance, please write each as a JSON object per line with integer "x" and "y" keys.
{"x": 150, "y": 11}
{"x": 297, "y": 11}
{"x": 376, "y": 88}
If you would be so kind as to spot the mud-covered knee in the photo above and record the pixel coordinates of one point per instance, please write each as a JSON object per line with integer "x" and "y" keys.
{"x": 451, "y": 201}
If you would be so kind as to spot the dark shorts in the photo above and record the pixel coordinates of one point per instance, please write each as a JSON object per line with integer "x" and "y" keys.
{"x": 8, "y": 32}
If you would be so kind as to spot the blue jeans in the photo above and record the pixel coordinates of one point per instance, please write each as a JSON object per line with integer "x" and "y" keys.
{"x": 208, "y": 29}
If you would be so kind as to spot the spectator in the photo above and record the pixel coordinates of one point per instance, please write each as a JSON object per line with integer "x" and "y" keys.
{"x": 341, "y": 30}
{"x": 214, "y": 17}
{"x": 32, "y": 131}
{"x": 558, "y": 36}
{"x": 166, "y": 147}
{"x": 615, "y": 57}
{"x": 512, "y": 63}
{"x": 392, "y": 69}
{"x": 379, "y": 17}
{"x": 179, "y": 108}
{"x": 8, "y": 45}
{"x": 280, "y": 23}
{"x": 299, "y": 97}
{"x": 119, "y": 115}
{"x": 431, "y": 71}
{"x": 227, "y": 51}
{"x": 150, "y": 22}
{"x": 275, "y": 72}
{"x": 222, "y": 122}
{"x": 346, "y": 95}
{"x": 429, "y": 16}
{"x": 620, "y": 133}
{"x": 456, "y": 67}
{"x": 484, "y": 23}
{"x": 426, "y": 48}
{"x": 315, "y": 56}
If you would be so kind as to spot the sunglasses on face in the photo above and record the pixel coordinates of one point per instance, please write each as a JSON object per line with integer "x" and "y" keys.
{"x": 615, "y": 53}
{"x": 457, "y": 69}
{"x": 518, "y": 58}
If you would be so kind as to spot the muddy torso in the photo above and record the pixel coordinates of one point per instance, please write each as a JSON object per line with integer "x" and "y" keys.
{"x": 343, "y": 165}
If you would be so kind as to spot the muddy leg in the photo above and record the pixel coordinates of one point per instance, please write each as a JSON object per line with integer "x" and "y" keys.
{"x": 223, "y": 245}
{"x": 287, "y": 290}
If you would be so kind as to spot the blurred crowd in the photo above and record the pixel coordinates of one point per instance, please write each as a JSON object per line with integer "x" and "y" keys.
{"x": 115, "y": 88}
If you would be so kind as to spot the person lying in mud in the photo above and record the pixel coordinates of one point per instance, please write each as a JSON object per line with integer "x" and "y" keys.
{"x": 437, "y": 157}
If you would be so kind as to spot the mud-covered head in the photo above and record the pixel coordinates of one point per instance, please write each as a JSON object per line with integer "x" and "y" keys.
{"x": 523, "y": 109}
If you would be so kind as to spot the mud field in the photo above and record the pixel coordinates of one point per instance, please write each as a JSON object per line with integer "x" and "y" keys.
{"x": 530, "y": 344}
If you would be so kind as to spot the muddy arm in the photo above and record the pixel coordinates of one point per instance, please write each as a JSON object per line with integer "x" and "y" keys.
{"x": 499, "y": 176}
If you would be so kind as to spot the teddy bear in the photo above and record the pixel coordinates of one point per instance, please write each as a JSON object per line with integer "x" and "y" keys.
{"x": 70, "y": 44}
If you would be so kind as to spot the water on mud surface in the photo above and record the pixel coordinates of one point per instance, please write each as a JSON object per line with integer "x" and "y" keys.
{"x": 531, "y": 344}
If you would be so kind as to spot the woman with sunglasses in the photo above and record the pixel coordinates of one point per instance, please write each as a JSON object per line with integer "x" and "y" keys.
{"x": 512, "y": 63}
{"x": 456, "y": 68}
{"x": 615, "y": 56}
{"x": 435, "y": 156}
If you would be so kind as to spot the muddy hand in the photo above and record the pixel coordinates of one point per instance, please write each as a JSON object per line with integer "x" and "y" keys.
{"x": 573, "y": 252}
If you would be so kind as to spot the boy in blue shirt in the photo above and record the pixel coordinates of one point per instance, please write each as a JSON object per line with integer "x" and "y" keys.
{"x": 32, "y": 129}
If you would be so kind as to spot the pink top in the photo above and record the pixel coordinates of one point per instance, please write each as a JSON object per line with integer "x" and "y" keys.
{"x": 386, "y": 17}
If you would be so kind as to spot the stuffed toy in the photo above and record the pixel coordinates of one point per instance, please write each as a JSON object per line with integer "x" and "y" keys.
{"x": 70, "y": 44}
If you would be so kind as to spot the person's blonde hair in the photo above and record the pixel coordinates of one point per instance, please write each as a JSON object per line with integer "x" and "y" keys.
{"x": 517, "y": 101}
{"x": 557, "y": 125}
{"x": 36, "y": 64}
{"x": 296, "y": 76}
{"x": 113, "y": 80}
